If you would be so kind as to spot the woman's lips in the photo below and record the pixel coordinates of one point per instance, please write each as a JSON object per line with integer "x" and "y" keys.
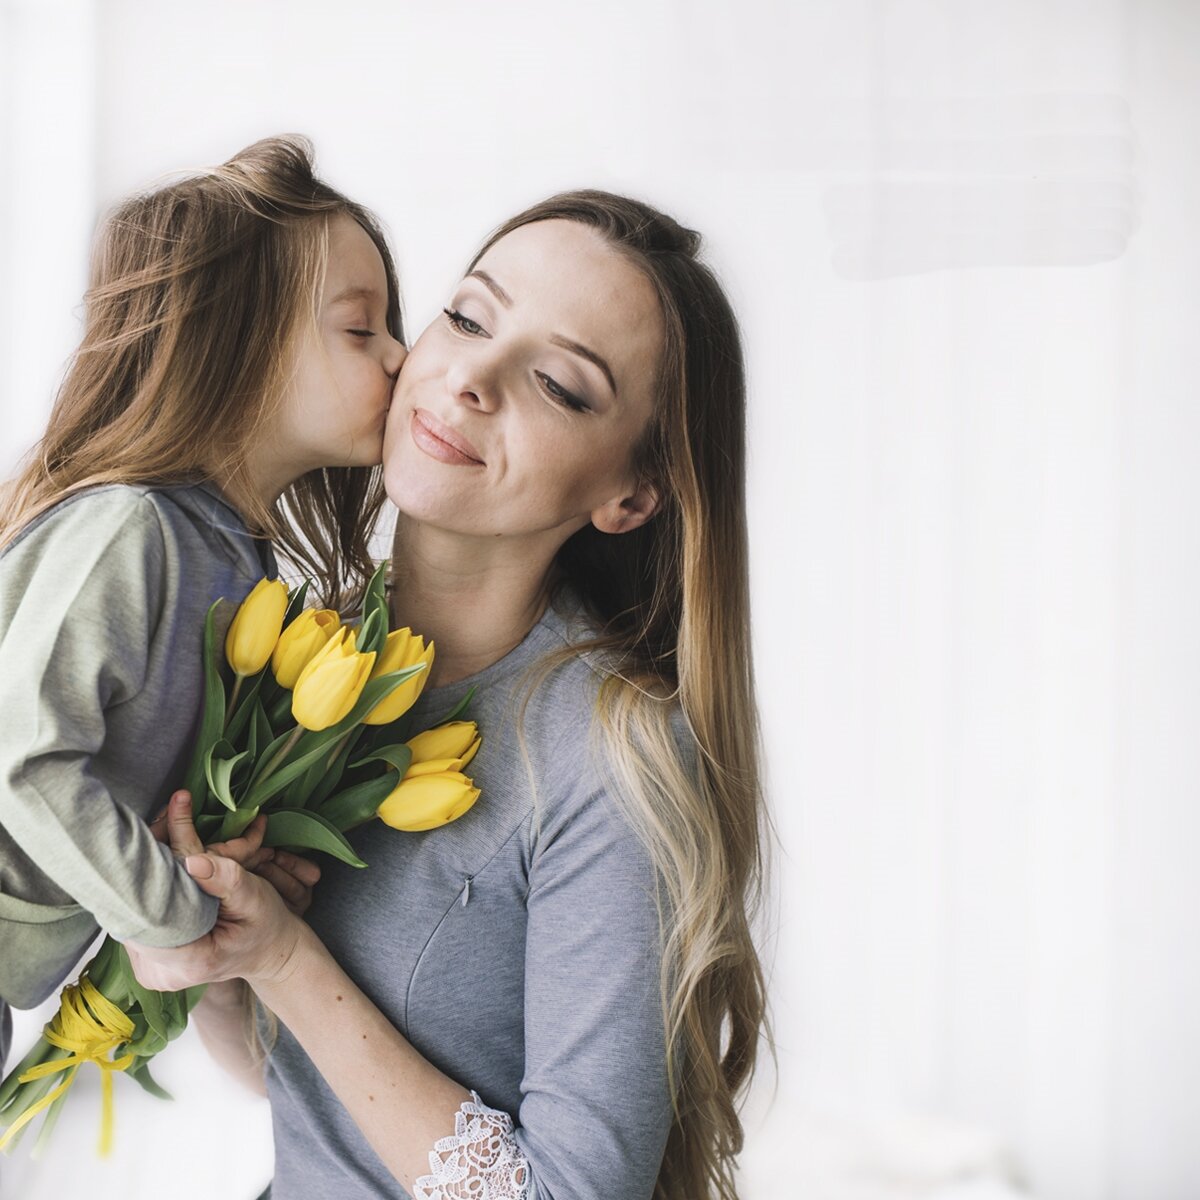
{"x": 441, "y": 442}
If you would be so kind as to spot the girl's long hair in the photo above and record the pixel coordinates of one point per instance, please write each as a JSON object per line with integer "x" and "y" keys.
{"x": 671, "y": 599}
{"x": 199, "y": 295}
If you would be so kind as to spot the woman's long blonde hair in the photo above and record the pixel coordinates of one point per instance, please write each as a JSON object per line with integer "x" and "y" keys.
{"x": 672, "y": 601}
{"x": 199, "y": 293}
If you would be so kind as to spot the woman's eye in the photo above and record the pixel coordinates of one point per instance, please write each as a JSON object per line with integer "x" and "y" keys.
{"x": 559, "y": 393}
{"x": 361, "y": 333}
{"x": 461, "y": 323}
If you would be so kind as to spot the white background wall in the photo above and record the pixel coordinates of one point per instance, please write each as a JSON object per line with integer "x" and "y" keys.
{"x": 962, "y": 240}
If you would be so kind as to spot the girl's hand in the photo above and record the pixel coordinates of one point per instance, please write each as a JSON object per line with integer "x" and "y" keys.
{"x": 293, "y": 877}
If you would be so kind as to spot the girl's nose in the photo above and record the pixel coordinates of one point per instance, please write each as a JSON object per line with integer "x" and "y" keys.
{"x": 394, "y": 359}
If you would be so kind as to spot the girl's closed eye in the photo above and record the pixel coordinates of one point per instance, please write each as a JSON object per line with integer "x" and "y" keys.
{"x": 361, "y": 333}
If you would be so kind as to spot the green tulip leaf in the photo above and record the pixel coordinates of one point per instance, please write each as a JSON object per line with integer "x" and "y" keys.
{"x": 147, "y": 1044}
{"x": 140, "y": 1071}
{"x": 245, "y": 708}
{"x": 309, "y": 747}
{"x": 324, "y": 787}
{"x": 151, "y": 1004}
{"x": 295, "y": 603}
{"x": 212, "y": 720}
{"x": 261, "y": 725}
{"x": 358, "y": 804}
{"x": 220, "y": 769}
{"x": 371, "y": 633}
{"x": 373, "y": 630}
{"x": 207, "y": 825}
{"x": 456, "y": 712}
{"x": 309, "y": 831}
{"x": 235, "y": 823}
{"x": 398, "y": 756}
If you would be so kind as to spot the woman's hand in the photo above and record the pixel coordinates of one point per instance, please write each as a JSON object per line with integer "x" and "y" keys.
{"x": 255, "y": 934}
{"x": 293, "y": 877}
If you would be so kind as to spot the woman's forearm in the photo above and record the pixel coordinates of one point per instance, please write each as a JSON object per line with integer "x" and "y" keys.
{"x": 222, "y": 1020}
{"x": 402, "y": 1103}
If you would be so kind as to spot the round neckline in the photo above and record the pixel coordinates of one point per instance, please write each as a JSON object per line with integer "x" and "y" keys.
{"x": 549, "y": 628}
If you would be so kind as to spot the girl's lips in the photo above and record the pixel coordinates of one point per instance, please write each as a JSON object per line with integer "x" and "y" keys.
{"x": 441, "y": 442}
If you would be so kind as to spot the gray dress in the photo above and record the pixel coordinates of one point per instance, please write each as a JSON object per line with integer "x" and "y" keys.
{"x": 518, "y": 952}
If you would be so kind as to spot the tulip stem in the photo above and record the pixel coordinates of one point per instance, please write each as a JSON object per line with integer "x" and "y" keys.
{"x": 297, "y": 733}
{"x": 233, "y": 698}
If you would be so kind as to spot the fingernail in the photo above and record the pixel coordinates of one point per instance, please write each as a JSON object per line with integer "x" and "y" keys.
{"x": 181, "y": 799}
{"x": 199, "y": 866}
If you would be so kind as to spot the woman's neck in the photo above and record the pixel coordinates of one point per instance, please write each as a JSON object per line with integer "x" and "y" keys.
{"x": 475, "y": 599}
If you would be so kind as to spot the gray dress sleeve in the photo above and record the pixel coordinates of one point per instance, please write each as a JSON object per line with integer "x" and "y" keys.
{"x": 595, "y": 1110}
{"x": 84, "y": 592}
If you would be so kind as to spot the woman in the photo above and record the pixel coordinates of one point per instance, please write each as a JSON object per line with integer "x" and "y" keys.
{"x": 557, "y": 994}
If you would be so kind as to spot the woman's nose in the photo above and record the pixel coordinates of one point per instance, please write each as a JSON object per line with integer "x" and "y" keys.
{"x": 473, "y": 381}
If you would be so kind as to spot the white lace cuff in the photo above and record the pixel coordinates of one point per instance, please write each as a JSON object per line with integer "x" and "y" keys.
{"x": 481, "y": 1161}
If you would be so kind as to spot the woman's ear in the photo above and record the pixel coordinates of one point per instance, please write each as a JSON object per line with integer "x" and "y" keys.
{"x": 629, "y": 512}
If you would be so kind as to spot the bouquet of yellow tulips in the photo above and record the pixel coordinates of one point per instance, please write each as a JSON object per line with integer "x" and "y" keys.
{"x": 307, "y": 723}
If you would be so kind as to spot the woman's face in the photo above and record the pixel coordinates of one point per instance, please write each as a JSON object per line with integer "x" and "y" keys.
{"x": 517, "y": 410}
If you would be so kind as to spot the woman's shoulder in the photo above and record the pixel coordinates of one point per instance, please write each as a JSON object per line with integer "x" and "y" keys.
{"x": 582, "y": 703}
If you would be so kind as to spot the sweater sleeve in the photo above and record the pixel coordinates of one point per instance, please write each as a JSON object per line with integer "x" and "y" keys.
{"x": 595, "y": 1109}
{"x": 83, "y": 592}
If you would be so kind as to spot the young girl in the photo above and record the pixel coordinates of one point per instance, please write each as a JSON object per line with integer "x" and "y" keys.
{"x": 241, "y": 338}
{"x": 557, "y": 994}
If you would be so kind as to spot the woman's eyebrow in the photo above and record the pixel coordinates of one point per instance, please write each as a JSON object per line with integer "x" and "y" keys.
{"x": 590, "y": 355}
{"x": 492, "y": 286}
{"x": 566, "y": 343}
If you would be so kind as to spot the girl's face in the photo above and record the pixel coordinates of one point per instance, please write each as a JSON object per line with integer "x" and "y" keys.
{"x": 333, "y": 413}
{"x": 518, "y": 409}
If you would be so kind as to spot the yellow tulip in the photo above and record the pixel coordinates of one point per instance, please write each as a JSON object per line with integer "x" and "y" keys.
{"x": 300, "y": 641}
{"x": 447, "y": 747}
{"x": 255, "y": 627}
{"x": 330, "y": 684}
{"x": 402, "y": 649}
{"x": 427, "y": 801}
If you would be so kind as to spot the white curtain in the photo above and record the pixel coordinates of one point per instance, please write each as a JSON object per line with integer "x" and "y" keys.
{"x": 962, "y": 240}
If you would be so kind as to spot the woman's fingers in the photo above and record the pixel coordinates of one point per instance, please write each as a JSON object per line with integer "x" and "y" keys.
{"x": 290, "y": 884}
{"x": 304, "y": 869}
{"x": 257, "y": 859}
{"x": 291, "y": 891}
{"x": 242, "y": 849}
